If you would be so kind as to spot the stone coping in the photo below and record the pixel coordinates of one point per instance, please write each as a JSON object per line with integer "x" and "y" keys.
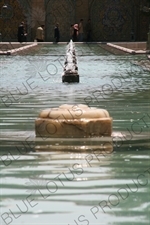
{"x": 16, "y": 48}
{"x": 134, "y": 44}
{"x": 130, "y": 47}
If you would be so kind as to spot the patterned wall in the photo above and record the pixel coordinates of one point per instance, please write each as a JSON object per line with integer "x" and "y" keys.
{"x": 63, "y": 13}
{"x": 112, "y": 20}
{"x": 11, "y": 17}
{"x": 118, "y": 20}
{"x": 143, "y": 19}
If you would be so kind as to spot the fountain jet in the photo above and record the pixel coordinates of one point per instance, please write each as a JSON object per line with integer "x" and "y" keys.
{"x": 70, "y": 72}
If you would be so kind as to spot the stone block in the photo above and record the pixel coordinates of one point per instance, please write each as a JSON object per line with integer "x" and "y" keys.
{"x": 73, "y": 121}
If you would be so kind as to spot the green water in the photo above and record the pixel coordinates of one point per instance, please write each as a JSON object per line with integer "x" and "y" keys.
{"x": 40, "y": 184}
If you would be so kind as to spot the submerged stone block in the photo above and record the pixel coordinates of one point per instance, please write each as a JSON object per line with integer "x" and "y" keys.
{"x": 73, "y": 121}
{"x": 70, "y": 78}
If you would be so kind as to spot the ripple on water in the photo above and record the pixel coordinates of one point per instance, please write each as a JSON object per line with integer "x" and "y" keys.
{"x": 65, "y": 184}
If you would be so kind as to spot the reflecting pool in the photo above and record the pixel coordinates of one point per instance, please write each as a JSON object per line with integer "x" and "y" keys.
{"x": 42, "y": 183}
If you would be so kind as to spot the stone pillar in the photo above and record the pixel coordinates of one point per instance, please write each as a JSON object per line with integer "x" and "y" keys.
{"x": 148, "y": 41}
{"x": 82, "y": 12}
{"x": 37, "y": 15}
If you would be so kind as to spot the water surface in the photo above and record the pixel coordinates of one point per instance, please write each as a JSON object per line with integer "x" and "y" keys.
{"x": 74, "y": 188}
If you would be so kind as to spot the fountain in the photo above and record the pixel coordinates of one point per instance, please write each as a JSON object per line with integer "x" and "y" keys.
{"x": 73, "y": 127}
{"x": 73, "y": 121}
{"x": 70, "y": 73}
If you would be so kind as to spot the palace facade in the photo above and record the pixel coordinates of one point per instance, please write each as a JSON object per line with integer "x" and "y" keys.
{"x": 111, "y": 20}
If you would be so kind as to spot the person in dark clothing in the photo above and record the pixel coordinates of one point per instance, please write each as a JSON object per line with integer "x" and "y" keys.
{"x": 80, "y": 30}
{"x": 56, "y": 33}
{"x": 88, "y": 30}
{"x": 71, "y": 31}
{"x": 21, "y": 33}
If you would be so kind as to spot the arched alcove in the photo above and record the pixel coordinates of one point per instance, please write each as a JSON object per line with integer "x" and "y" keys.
{"x": 112, "y": 20}
{"x": 63, "y": 13}
{"x": 11, "y": 14}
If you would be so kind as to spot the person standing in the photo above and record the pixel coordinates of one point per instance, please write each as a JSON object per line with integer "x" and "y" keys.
{"x": 71, "y": 31}
{"x": 21, "y": 33}
{"x": 56, "y": 33}
{"x": 40, "y": 33}
{"x": 81, "y": 30}
{"x": 88, "y": 30}
{"x": 75, "y": 32}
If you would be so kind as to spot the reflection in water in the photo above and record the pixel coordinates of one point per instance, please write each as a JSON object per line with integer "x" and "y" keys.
{"x": 71, "y": 181}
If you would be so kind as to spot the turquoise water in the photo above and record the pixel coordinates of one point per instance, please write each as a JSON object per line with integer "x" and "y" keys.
{"x": 43, "y": 183}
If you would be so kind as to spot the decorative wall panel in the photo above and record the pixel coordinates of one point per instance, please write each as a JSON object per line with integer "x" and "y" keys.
{"x": 142, "y": 19}
{"x": 112, "y": 20}
{"x": 63, "y": 13}
{"x": 10, "y": 18}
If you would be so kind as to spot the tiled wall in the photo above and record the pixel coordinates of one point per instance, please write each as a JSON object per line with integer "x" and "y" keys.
{"x": 10, "y": 18}
{"x": 112, "y": 20}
